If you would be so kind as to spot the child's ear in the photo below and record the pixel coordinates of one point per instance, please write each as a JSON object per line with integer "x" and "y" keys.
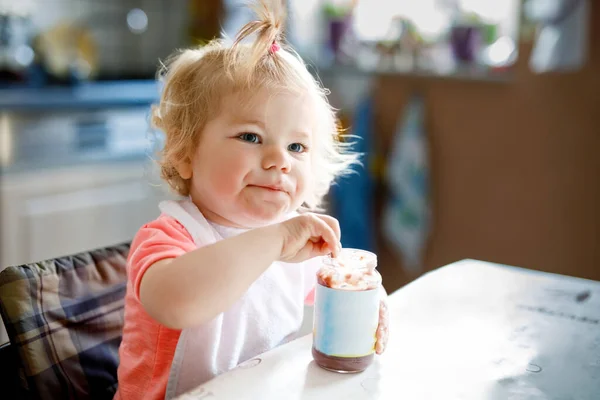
{"x": 184, "y": 168}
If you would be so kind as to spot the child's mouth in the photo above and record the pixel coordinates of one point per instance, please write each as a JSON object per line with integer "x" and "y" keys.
{"x": 271, "y": 188}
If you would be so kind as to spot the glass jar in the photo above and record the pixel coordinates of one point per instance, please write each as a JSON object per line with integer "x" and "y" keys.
{"x": 346, "y": 313}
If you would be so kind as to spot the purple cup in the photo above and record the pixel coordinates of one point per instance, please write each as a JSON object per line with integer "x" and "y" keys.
{"x": 465, "y": 42}
{"x": 337, "y": 30}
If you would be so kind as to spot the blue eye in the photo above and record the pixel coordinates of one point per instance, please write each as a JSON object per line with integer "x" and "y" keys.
{"x": 297, "y": 148}
{"x": 249, "y": 137}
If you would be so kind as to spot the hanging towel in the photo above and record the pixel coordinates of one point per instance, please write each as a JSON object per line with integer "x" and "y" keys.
{"x": 352, "y": 196}
{"x": 562, "y": 42}
{"x": 407, "y": 214}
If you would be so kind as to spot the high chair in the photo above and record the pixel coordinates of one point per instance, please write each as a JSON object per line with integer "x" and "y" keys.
{"x": 64, "y": 319}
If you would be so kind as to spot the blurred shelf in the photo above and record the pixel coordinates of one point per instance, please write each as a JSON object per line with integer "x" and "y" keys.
{"x": 145, "y": 92}
{"x": 338, "y": 71}
{"x": 84, "y": 95}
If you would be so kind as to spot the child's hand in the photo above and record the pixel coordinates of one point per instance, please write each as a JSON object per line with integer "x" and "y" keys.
{"x": 383, "y": 328}
{"x": 309, "y": 235}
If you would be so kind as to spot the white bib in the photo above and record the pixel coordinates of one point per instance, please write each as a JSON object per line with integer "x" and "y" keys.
{"x": 270, "y": 313}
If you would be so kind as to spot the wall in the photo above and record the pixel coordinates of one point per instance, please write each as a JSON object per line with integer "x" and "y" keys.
{"x": 515, "y": 167}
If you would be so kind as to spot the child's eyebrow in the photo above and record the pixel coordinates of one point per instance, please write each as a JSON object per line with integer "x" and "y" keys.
{"x": 248, "y": 121}
{"x": 302, "y": 135}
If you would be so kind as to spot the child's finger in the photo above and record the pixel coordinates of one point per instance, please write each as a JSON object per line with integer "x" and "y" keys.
{"x": 382, "y": 328}
{"x": 319, "y": 228}
{"x": 333, "y": 223}
{"x": 382, "y": 338}
{"x": 383, "y": 311}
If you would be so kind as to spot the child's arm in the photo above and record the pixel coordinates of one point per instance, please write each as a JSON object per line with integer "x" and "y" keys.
{"x": 197, "y": 286}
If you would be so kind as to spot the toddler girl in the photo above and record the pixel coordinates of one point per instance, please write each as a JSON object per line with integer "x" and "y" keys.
{"x": 222, "y": 275}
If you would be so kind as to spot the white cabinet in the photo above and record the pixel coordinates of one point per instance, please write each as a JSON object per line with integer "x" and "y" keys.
{"x": 80, "y": 219}
{"x": 63, "y": 211}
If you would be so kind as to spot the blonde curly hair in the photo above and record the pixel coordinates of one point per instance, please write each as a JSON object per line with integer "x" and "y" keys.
{"x": 196, "y": 80}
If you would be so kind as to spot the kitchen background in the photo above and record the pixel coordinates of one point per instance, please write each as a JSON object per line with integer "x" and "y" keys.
{"x": 479, "y": 141}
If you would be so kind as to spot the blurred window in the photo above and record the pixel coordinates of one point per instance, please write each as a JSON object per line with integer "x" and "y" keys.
{"x": 433, "y": 18}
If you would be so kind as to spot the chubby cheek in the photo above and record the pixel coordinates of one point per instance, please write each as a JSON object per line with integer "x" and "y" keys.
{"x": 220, "y": 174}
{"x": 227, "y": 177}
{"x": 304, "y": 185}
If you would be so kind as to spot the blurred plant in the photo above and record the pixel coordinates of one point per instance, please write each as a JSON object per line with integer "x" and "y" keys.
{"x": 338, "y": 16}
{"x": 489, "y": 31}
{"x": 402, "y": 30}
{"x": 412, "y": 31}
{"x": 402, "y": 37}
{"x": 471, "y": 18}
{"x": 334, "y": 10}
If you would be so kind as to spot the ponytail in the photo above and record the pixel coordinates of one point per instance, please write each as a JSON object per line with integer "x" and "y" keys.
{"x": 268, "y": 28}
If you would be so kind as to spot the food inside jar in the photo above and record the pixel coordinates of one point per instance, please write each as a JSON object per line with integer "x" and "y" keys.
{"x": 352, "y": 270}
{"x": 342, "y": 364}
{"x": 348, "y": 280}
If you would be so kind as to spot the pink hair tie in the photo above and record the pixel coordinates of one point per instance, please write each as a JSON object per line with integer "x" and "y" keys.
{"x": 274, "y": 48}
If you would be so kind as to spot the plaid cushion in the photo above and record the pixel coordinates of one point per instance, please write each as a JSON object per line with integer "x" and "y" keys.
{"x": 65, "y": 318}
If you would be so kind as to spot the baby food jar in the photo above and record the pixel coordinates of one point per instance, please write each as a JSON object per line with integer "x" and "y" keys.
{"x": 346, "y": 313}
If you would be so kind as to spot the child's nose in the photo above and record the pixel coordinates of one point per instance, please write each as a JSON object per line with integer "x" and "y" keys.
{"x": 277, "y": 158}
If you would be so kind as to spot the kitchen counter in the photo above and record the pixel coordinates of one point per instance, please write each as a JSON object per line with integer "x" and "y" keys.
{"x": 59, "y": 126}
{"x": 85, "y": 95}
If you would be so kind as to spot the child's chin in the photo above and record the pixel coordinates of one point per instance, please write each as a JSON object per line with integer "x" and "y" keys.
{"x": 259, "y": 218}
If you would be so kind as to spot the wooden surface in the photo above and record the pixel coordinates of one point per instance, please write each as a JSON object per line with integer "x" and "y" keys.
{"x": 515, "y": 166}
